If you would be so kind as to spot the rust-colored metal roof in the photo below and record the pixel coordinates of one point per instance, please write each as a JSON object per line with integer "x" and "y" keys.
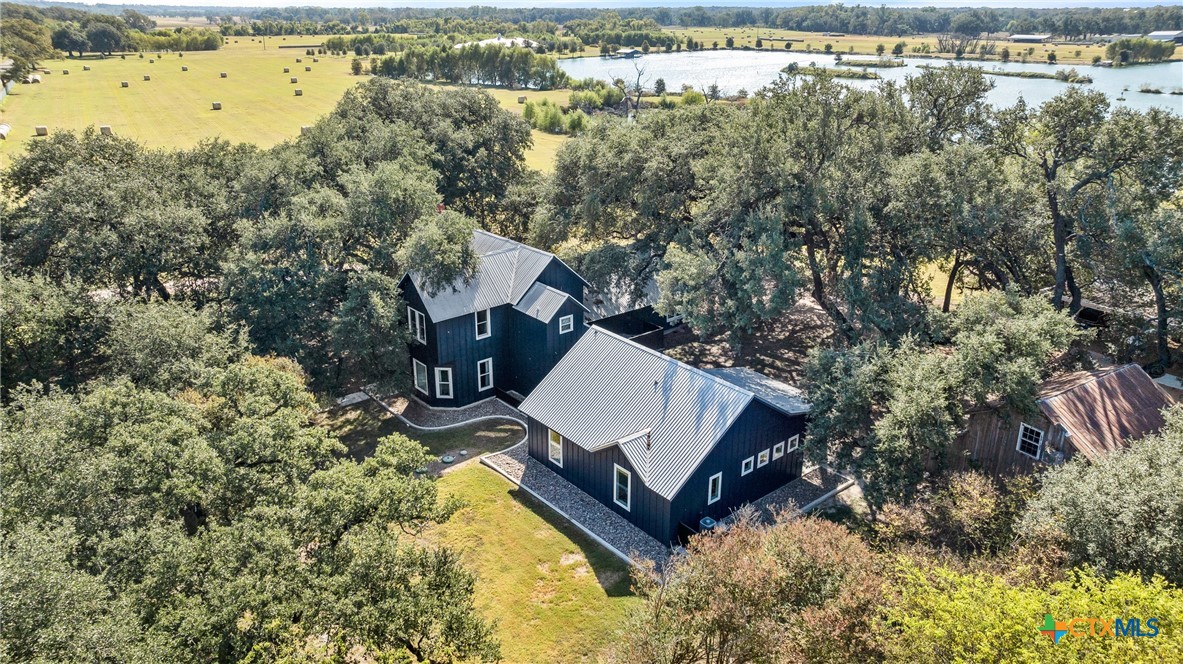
{"x": 1104, "y": 410}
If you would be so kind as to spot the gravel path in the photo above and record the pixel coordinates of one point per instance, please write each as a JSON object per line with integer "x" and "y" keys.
{"x": 579, "y": 507}
{"x": 420, "y": 415}
{"x": 802, "y": 491}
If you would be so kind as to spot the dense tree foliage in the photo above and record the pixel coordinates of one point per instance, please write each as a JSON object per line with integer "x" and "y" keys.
{"x": 78, "y": 31}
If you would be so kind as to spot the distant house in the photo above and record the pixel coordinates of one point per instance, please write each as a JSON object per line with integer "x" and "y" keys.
{"x": 659, "y": 442}
{"x": 1030, "y": 39}
{"x": 513, "y": 42}
{"x": 1086, "y": 413}
{"x": 499, "y": 334}
{"x": 1175, "y": 36}
{"x": 627, "y": 53}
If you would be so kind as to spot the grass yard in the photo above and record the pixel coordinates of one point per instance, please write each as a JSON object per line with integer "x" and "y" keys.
{"x": 360, "y": 427}
{"x": 557, "y": 596}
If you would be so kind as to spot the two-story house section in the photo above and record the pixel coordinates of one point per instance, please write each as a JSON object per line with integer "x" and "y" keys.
{"x": 499, "y": 334}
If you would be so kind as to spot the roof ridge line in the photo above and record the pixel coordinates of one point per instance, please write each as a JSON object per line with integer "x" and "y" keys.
{"x": 667, "y": 358}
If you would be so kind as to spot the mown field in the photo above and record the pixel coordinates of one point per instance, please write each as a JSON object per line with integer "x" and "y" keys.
{"x": 174, "y": 109}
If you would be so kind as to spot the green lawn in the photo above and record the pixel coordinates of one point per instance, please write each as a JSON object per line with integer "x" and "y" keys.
{"x": 360, "y": 427}
{"x": 557, "y": 596}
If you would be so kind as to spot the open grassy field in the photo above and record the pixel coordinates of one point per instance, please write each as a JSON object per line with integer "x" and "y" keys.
{"x": 774, "y": 39}
{"x": 557, "y": 596}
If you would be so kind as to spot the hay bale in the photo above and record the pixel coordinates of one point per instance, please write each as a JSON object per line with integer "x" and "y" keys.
{"x": 299, "y": 60}
{"x": 5, "y": 128}
{"x": 306, "y": 129}
{"x": 123, "y": 84}
{"x": 223, "y": 74}
{"x": 65, "y": 71}
{"x": 522, "y": 99}
{"x": 151, "y": 61}
{"x": 42, "y": 130}
{"x": 85, "y": 67}
{"x": 184, "y": 69}
{"x": 294, "y": 79}
{"x": 299, "y": 92}
{"x": 316, "y": 59}
{"x": 217, "y": 105}
{"x": 147, "y": 77}
{"x": 105, "y": 130}
{"x": 287, "y": 70}
{"x": 308, "y": 69}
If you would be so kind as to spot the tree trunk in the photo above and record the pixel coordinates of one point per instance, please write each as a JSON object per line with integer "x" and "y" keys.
{"x": 819, "y": 292}
{"x": 1160, "y": 308}
{"x": 952, "y": 279}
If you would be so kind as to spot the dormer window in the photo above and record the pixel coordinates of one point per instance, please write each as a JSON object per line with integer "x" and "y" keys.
{"x": 566, "y": 324}
{"x": 483, "y": 329}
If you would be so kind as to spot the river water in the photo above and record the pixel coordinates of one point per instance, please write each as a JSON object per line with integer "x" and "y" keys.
{"x": 751, "y": 70}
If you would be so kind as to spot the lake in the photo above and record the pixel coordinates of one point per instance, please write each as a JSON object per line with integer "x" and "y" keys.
{"x": 751, "y": 70}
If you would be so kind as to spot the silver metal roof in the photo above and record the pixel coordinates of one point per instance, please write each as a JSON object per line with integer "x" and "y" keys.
{"x": 543, "y": 302}
{"x": 666, "y": 416}
{"x": 506, "y": 272}
{"x": 781, "y": 396}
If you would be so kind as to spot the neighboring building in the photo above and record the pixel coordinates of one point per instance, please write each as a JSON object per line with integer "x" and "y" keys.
{"x": 1086, "y": 413}
{"x": 499, "y": 334}
{"x": 659, "y": 442}
{"x": 1030, "y": 39}
{"x": 515, "y": 42}
{"x": 1175, "y": 36}
{"x": 627, "y": 53}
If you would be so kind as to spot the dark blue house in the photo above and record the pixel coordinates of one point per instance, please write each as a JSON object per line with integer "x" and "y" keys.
{"x": 662, "y": 443}
{"x": 499, "y": 334}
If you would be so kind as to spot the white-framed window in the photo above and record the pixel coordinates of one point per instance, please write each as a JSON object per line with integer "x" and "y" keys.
{"x": 443, "y": 383}
{"x": 749, "y": 464}
{"x": 762, "y": 458}
{"x": 1030, "y": 441}
{"x": 794, "y": 443}
{"x": 554, "y": 448}
{"x": 715, "y": 488}
{"x": 484, "y": 374}
{"x": 483, "y": 328}
{"x": 566, "y": 324}
{"x": 420, "y": 370}
{"x": 622, "y": 486}
{"x": 417, "y": 323}
{"x": 778, "y": 450}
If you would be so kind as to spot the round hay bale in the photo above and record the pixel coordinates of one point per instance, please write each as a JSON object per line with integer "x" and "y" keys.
{"x": 151, "y": 61}
{"x": 85, "y": 67}
{"x": 42, "y": 130}
{"x": 105, "y": 130}
{"x": 299, "y": 92}
{"x": 287, "y": 70}
{"x": 294, "y": 79}
{"x": 306, "y": 129}
{"x": 123, "y": 84}
{"x": 147, "y": 77}
{"x": 65, "y": 71}
{"x": 217, "y": 105}
{"x": 522, "y": 99}
{"x": 223, "y": 74}
{"x": 299, "y": 60}
{"x": 308, "y": 69}
{"x": 5, "y": 128}
{"x": 184, "y": 69}
{"x": 316, "y": 59}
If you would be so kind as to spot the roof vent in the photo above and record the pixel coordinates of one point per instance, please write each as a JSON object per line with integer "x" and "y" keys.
{"x": 649, "y": 441}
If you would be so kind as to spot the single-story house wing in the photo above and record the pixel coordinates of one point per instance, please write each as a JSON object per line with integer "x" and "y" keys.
{"x": 659, "y": 442}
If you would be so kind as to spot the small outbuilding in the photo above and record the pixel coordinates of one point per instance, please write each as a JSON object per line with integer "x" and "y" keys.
{"x": 1084, "y": 413}
{"x": 1030, "y": 39}
{"x": 668, "y": 447}
{"x": 1175, "y": 36}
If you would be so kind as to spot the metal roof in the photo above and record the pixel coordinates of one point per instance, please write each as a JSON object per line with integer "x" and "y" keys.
{"x": 666, "y": 416}
{"x": 781, "y": 396}
{"x": 543, "y": 302}
{"x": 507, "y": 270}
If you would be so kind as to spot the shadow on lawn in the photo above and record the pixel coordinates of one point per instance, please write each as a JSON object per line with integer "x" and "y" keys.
{"x": 611, "y": 572}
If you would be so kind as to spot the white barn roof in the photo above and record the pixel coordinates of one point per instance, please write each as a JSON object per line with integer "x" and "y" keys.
{"x": 666, "y": 416}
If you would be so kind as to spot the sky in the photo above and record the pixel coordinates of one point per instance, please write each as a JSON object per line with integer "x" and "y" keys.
{"x": 636, "y": 3}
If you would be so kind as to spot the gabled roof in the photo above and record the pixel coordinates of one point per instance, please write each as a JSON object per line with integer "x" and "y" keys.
{"x": 783, "y": 397}
{"x": 507, "y": 270}
{"x": 543, "y": 302}
{"x": 666, "y": 416}
{"x": 1104, "y": 410}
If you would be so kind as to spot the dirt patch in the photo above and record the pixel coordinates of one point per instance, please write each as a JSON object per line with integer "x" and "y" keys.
{"x": 572, "y": 558}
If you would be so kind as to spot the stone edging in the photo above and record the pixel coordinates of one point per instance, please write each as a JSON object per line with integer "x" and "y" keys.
{"x": 447, "y": 426}
{"x": 833, "y": 492}
{"x": 586, "y": 531}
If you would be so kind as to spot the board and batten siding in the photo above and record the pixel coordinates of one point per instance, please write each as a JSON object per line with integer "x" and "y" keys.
{"x": 758, "y": 428}
{"x": 537, "y": 346}
{"x": 560, "y": 277}
{"x": 990, "y": 444}
{"x": 458, "y": 348}
{"x": 424, "y": 352}
{"x": 593, "y": 473}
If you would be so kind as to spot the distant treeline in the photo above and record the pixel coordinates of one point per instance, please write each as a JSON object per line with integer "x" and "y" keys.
{"x": 488, "y": 65}
{"x": 39, "y": 31}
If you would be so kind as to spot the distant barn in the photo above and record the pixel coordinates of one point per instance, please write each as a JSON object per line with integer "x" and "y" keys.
{"x": 1030, "y": 39}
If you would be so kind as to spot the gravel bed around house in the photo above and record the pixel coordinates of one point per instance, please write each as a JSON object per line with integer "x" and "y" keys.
{"x": 420, "y": 415}
{"x": 577, "y": 505}
{"x": 800, "y": 492}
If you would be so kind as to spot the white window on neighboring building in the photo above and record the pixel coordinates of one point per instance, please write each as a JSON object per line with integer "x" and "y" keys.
{"x": 778, "y": 450}
{"x": 762, "y": 459}
{"x": 715, "y": 488}
{"x": 794, "y": 443}
{"x": 484, "y": 374}
{"x": 417, "y": 323}
{"x": 443, "y": 383}
{"x": 566, "y": 324}
{"x": 483, "y": 329}
{"x": 420, "y": 375}
{"x": 1030, "y": 441}
{"x": 748, "y": 465}
{"x": 554, "y": 450}
{"x": 622, "y": 489}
